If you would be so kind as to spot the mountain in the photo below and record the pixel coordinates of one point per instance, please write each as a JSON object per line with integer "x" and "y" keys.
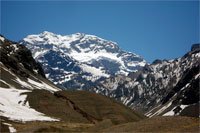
{"x": 31, "y": 103}
{"x": 165, "y": 87}
{"x": 79, "y": 61}
{"x": 87, "y": 62}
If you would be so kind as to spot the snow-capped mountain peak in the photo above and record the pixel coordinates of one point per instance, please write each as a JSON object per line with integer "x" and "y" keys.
{"x": 81, "y": 53}
{"x": 77, "y": 40}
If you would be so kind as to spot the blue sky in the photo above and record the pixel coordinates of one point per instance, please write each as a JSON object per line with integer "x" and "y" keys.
{"x": 154, "y": 30}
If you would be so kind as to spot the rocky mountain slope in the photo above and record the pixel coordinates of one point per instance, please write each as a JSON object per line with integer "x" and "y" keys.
{"x": 165, "y": 87}
{"x": 31, "y": 103}
{"x": 79, "y": 60}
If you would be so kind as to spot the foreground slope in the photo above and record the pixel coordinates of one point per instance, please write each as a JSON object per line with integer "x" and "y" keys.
{"x": 159, "y": 124}
{"x": 19, "y": 74}
{"x": 28, "y": 99}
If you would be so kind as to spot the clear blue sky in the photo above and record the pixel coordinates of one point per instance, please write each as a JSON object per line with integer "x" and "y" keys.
{"x": 154, "y": 30}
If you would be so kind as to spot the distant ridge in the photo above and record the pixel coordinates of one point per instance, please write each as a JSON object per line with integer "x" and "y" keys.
{"x": 77, "y": 61}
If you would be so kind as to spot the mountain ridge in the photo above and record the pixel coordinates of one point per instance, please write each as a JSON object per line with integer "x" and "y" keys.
{"x": 147, "y": 88}
{"x": 89, "y": 56}
{"x": 143, "y": 89}
{"x": 31, "y": 103}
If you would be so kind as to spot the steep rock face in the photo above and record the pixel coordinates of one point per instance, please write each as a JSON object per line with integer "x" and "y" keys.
{"x": 77, "y": 61}
{"x": 18, "y": 58}
{"x": 155, "y": 84}
{"x": 20, "y": 74}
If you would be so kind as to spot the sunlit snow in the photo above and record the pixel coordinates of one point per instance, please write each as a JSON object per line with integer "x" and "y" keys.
{"x": 14, "y": 106}
{"x": 11, "y": 128}
{"x": 2, "y": 39}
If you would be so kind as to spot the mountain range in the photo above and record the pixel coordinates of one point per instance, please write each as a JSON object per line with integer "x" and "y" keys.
{"x": 81, "y": 83}
{"x": 79, "y": 61}
{"x": 165, "y": 87}
{"x": 28, "y": 99}
{"x": 87, "y": 62}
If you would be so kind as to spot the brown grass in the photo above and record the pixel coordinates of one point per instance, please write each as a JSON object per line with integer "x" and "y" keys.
{"x": 102, "y": 107}
{"x": 38, "y": 126}
{"x": 159, "y": 124}
{"x": 93, "y": 105}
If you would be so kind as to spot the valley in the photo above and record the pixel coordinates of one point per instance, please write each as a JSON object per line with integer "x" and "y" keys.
{"x": 158, "y": 97}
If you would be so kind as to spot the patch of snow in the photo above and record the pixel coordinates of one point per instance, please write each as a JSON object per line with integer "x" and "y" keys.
{"x": 6, "y": 69}
{"x": 39, "y": 53}
{"x": 135, "y": 83}
{"x": 15, "y": 47}
{"x": 31, "y": 84}
{"x": 93, "y": 70}
{"x": 183, "y": 106}
{"x": 11, "y": 128}
{"x": 13, "y": 106}
{"x": 55, "y": 68}
{"x": 2, "y": 38}
{"x": 47, "y": 75}
{"x": 123, "y": 72}
{"x": 86, "y": 57}
{"x": 197, "y": 55}
{"x": 115, "y": 85}
{"x": 198, "y": 75}
{"x": 22, "y": 83}
{"x": 65, "y": 78}
{"x": 42, "y": 85}
{"x": 161, "y": 109}
{"x": 36, "y": 71}
{"x": 144, "y": 76}
{"x": 170, "y": 113}
{"x": 4, "y": 82}
{"x": 158, "y": 75}
{"x": 149, "y": 113}
{"x": 140, "y": 90}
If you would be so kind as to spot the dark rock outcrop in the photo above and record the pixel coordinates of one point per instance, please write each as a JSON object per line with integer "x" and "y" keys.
{"x": 18, "y": 58}
{"x": 195, "y": 47}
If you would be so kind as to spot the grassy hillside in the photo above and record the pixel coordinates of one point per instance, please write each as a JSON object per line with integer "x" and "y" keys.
{"x": 78, "y": 111}
{"x": 80, "y": 107}
{"x": 159, "y": 124}
{"x": 156, "y": 124}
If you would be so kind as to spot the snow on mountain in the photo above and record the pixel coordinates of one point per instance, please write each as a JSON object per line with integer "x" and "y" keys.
{"x": 18, "y": 109}
{"x": 28, "y": 99}
{"x": 80, "y": 57}
{"x": 155, "y": 88}
{"x": 20, "y": 74}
